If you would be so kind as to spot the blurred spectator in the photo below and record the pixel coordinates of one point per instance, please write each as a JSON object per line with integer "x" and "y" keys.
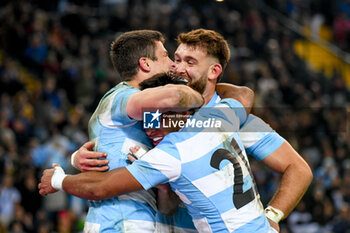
{"x": 9, "y": 197}
{"x": 342, "y": 222}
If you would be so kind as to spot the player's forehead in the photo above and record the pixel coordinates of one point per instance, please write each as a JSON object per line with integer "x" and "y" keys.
{"x": 186, "y": 50}
{"x": 160, "y": 48}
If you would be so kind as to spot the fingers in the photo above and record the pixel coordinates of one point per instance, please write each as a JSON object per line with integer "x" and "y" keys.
{"x": 55, "y": 165}
{"x": 41, "y": 190}
{"x": 131, "y": 158}
{"x": 92, "y": 154}
{"x": 86, "y": 151}
{"x": 89, "y": 145}
{"x": 94, "y": 162}
{"x": 97, "y": 169}
{"x": 134, "y": 149}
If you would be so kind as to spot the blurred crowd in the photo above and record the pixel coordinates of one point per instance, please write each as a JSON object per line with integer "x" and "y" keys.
{"x": 54, "y": 68}
{"x": 331, "y": 15}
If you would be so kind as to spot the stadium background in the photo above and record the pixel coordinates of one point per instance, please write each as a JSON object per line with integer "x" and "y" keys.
{"x": 54, "y": 68}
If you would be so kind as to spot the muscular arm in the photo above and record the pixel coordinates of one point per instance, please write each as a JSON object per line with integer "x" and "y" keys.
{"x": 165, "y": 98}
{"x": 98, "y": 185}
{"x": 243, "y": 94}
{"x": 296, "y": 177}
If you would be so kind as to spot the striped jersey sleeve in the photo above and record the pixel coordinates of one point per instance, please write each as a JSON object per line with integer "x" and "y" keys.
{"x": 112, "y": 108}
{"x": 258, "y": 138}
{"x": 237, "y": 107}
{"x": 159, "y": 165}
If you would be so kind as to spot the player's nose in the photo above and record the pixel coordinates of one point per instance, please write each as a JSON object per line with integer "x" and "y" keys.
{"x": 179, "y": 68}
{"x": 149, "y": 132}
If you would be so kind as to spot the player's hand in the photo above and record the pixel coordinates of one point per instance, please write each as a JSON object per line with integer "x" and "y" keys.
{"x": 88, "y": 160}
{"x": 133, "y": 151}
{"x": 45, "y": 185}
{"x": 274, "y": 225}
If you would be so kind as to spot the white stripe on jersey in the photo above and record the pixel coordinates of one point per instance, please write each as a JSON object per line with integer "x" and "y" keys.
{"x": 128, "y": 142}
{"x": 230, "y": 115}
{"x": 233, "y": 218}
{"x": 183, "y": 197}
{"x": 138, "y": 226}
{"x": 207, "y": 141}
{"x": 202, "y": 225}
{"x": 90, "y": 227}
{"x": 220, "y": 180}
{"x": 105, "y": 116}
{"x": 144, "y": 196}
{"x": 217, "y": 181}
{"x": 162, "y": 160}
{"x": 105, "y": 112}
{"x": 253, "y": 131}
{"x": 250, "y": 138}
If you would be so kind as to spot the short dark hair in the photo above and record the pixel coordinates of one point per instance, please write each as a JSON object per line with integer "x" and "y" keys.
{"x": 161, "y": 79}
{"x": 129, "y": 47}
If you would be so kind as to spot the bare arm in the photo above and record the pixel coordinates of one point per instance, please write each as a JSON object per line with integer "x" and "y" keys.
{"x": 97, "y": 185}
{"x": 168, "y": 97}
{"x": 93, "y": 185}
{"x": 165, "y": 98}
{"x": 243, "y": 94}
{"x": 296, "y": 177}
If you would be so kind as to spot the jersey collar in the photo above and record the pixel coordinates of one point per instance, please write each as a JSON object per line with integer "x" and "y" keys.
{"x": 213, "y": 101}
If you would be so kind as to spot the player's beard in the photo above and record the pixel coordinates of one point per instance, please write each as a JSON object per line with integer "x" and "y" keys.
{"x": 199, "y": 85}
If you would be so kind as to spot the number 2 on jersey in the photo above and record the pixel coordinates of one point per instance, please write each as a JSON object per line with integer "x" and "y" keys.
{"x": 240, "y": 198}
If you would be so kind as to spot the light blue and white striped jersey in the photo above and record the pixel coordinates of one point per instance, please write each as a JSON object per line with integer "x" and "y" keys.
{"x": 258, "y": 138}
{"x": 114, "y": 133}
{"x": 210, "y": 173}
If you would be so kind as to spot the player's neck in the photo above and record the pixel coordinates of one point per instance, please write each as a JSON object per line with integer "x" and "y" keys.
{"x": 134, "y": 83}
{"x": 209, "y": 92}
{"x": 208, "y": 95}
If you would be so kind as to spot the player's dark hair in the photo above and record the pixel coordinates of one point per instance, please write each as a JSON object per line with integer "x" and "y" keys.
{"x": 163, "y": 79}
{"x": 160, "y": 80}
{"x": 129, "y": 47}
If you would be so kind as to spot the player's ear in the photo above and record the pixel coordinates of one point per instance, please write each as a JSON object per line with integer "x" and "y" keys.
{"x": 144, "y": 65}
{"x": 214, "y": 71}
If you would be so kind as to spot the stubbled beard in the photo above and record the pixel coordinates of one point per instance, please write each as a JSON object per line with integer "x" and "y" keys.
{"x": 199, "y": 85}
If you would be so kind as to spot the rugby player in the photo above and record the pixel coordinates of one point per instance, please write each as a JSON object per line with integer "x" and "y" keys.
{"x": 115, "y": 125}
{"x": 200, "y": 58}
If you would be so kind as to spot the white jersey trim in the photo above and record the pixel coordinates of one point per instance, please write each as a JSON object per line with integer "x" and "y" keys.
{"x": 233, "y": 218}
{"x": 202, "y": 225}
